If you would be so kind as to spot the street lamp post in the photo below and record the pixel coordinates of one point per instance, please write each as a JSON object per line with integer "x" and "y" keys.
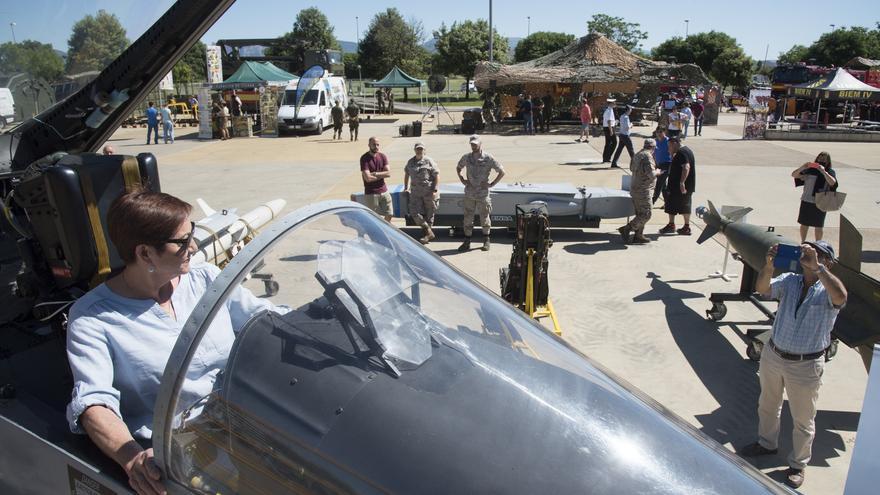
{"x": 529, "y": 29}
{"x": 491, "y": 57}
{"x": 686, "y": 21}
{"x": 12, "y": 27}
{"x": 361, "y": 82}
{"x": 357, "y": 24}
{"x": 832, "y": 26}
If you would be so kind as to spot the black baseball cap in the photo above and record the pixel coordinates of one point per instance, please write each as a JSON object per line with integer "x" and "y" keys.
{"x": 824, "y": 248}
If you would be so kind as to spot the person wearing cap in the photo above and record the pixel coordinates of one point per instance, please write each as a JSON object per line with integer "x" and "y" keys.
{"x": 623, "y": 137}
{"x": 680, "y": 185}
{"x": 421, "y": 177}
{"x": 644, "y": 174}
{"x": 794, "y": 359}
{"x": 697, "y": 110}
{"x": 478, "y": 165}
{"x": 608, "y": 123}
{"x": 375, "y": 168}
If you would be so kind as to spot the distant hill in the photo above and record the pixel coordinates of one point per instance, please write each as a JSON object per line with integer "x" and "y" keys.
{"x": 351, "y": 46}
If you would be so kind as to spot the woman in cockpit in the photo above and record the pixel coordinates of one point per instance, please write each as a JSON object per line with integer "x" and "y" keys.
{"x": 121, "y": 333}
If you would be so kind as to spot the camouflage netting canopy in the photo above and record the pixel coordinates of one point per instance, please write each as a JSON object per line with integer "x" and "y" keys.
{"x": 594, "y": 60}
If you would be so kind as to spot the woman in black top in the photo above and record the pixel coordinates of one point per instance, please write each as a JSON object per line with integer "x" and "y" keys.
{"x": 815, "y": 177}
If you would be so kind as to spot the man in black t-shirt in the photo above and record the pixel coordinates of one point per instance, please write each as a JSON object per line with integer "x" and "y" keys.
{"x": 680, "y": 184}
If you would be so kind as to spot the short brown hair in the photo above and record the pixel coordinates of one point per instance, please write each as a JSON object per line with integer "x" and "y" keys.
{"x": 144, "y": 217}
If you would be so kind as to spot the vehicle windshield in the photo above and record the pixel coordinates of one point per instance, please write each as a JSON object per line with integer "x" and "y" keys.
{"x": 311, "y": 97}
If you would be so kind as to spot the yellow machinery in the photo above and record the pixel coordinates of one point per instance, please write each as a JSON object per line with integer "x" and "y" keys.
{"x": 524, "y": 282}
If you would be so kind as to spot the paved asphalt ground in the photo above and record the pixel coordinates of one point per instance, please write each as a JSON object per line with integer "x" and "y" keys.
{"x": 637, "y": 310}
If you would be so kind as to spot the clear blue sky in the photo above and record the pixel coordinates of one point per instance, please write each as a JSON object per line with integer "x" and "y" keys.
{"x": 754, "y": 24}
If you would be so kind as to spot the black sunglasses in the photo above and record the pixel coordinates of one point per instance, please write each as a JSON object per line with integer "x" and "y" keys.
{"x": 184, "y": 243}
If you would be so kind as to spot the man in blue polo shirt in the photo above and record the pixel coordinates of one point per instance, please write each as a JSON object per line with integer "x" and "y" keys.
{"x": 152, "y": 123}
{"x": 794, "y": 359}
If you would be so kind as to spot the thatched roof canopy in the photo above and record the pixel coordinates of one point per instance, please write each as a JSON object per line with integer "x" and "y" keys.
{"x": 591, "y": 59}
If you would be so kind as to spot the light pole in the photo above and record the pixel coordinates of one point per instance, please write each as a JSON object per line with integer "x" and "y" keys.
{"x": 686, "y": 21}
{"x": 361, "y": 81}
{"x": 12, "y": 27}
{"x": 357, "y": 24}
{"x": 491, "y": 57}
{"x": 832, "y": 26}
{"x": 529, "y": 29}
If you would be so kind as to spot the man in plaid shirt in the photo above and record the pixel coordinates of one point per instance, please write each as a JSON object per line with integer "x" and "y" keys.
{"x": 794, "y": 359}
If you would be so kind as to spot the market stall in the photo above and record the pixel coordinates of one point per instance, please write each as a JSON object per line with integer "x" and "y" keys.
{"x": 594, "y": 65}
{"x": 397, "y": 78}
{"x": 259, "y": 85}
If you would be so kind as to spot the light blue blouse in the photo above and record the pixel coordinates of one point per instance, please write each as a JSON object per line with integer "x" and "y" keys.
{"x": 118, "y": 347}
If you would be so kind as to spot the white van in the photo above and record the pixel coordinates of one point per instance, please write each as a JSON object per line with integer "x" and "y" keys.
{"x": 7, "y": 107}
{"x": 314, "y": 113}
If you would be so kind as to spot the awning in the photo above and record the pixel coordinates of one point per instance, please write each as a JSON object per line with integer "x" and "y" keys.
{"x": 837, "y": 85}
{"x": 255, "y": 74}
{"x": 396, "y": 78}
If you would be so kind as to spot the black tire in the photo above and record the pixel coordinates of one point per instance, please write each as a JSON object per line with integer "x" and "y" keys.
{"x": 320, "y": 129}
{"x": 752, "y": 352}
{"x": 271, "y": 287}
{"x": 717, "y": 313}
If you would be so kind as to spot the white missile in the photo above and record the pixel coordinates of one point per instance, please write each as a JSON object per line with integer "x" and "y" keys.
{"x": 221, "y": 234}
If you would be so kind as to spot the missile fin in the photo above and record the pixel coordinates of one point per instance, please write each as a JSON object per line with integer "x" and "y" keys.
{"x": 207, "y": 210}
{"x": 708, "y": 232}
{"x": 738, "y": 214}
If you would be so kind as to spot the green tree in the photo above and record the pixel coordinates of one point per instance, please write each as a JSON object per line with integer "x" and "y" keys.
{"x": 733, "y": 68}
{"x": 37, "y": 59}
{"x": 538, "y": 44}
{"x": 797, "y": 53}
{"x": 311, "y": 31}
{"x": 351, "y": 62}
{"x": 193, "y": 67}
{"x": 705, "y": 49}
{"x": 625, "y": 34}
{"x": 839, "y": 46}
{"x": 95, "y": 42}
{"x": 461, "y": 46}
{"x": 390, "y": 41}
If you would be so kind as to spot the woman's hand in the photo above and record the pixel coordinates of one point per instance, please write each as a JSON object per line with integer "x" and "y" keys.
{"x": 143, "y": 474}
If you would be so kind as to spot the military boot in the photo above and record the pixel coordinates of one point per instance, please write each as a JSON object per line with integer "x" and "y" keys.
{"x": 466, "y": 245}
{"x": 429, "y": 235}
{"x": 486, "y": 244}
{"x": 639, "y": 237}
{"x": 624, "y": 233}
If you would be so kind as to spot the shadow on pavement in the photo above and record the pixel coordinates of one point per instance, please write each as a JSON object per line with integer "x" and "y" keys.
{"x": 733, "y": 381}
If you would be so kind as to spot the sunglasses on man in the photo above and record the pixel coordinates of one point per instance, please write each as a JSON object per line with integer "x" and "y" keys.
{"x": 185, "y": 241}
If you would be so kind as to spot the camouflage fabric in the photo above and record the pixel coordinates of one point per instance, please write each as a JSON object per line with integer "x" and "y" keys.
{"x": 478, "y": 169}
{"x": 422, "y": 174}
{"x": 422, "y": 207}
{"x": 481, "y": 206}
{"x": 642, "y": 167}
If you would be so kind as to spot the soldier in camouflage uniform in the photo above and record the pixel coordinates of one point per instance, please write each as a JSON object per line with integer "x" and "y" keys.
{"x": 425, "y": 177}
{"x": 476, "y": 190}
{"x": 644, "y": 174}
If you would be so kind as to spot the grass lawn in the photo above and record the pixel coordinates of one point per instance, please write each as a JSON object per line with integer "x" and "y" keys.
{"x": 451, "y": 96}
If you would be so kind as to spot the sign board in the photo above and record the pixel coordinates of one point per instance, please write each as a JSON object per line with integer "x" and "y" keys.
{"x": 756, "y": 114}
{"x": 215, "y": 65}
{"x": 205, "y": 131}
{"x": 167, "y": 82}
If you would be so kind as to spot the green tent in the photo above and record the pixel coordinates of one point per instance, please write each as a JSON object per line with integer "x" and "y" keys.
{"x": 252, "y": 74}
{"x": 396, "y": 78}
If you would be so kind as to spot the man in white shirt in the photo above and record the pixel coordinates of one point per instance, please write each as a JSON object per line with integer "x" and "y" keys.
{"x": 623, "y": 136}
{"x": 608, "y": 123}
{"x": 686, "y": 114}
